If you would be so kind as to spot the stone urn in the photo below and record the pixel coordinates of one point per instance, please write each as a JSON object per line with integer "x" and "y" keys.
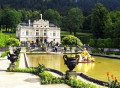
{"x": 12, "y": 57}
{"x": 17, "y": 51}
{"x": 71, "y": 62}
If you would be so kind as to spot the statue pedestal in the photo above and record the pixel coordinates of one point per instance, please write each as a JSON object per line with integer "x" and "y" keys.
{"x": 70, "y": 74}
{"x": 12, "y": 65}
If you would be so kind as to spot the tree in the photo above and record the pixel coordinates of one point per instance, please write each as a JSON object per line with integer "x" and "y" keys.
{"x": 0, "y": 18}
{"x": 13, "y": 42}
{"x": 10, "y": 19}
{"x": 53, "y": 16}
{"x": 117, "y": 29}
{"x": 71, "y": 41}
{"x": 99, "y": 20}
{"x": 35, "y": 15}
{"x": 87, "y": 23}
{"x": 13, "y": 19}
{"x": 73, "y": 20}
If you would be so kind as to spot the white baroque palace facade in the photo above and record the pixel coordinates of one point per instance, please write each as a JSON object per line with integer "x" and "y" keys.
{"x": 39, "y": 30}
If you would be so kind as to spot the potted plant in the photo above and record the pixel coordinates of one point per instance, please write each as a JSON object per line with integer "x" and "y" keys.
{"x": 27, "y": 49}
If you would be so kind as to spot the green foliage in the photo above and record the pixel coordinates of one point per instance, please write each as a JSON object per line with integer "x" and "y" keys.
{"x": 92, "y": 43}
{"x": 87, "y": 23}
{"x": 5, "y": 54}
{"x": 100, "y": 43}
{"x": 53, "y": 16}
{"x": 99, "y": 20}
{"x": 13, "y": 19}
{"x": 60, "y": 5}
{"x": 13, "y": 42}
{"x": 108, "y": 42}
{"x": 117, "y": 28}
{"x": 40, "y": 68}
{"x": 73, "y": 20}
{"x": 35, "y": 15}
{"x": 3, "y": 39}
{"x": 10, "y": 18}
{"x": 27, "y": 48}
{"x": 29, "y": 70}
{"x": 78, "y": 84}
{"x": 71, "y": 41}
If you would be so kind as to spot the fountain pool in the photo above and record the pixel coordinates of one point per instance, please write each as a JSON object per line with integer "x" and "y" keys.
{"x": 97, "y": 70}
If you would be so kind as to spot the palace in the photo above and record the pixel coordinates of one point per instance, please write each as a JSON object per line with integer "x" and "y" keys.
{"x": 39, "y": 30}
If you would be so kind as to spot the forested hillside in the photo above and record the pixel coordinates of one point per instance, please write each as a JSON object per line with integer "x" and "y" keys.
{"x": 59, "y": 5}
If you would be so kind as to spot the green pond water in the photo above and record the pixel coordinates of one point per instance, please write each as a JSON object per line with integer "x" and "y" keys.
{"x": 96, "y": 70}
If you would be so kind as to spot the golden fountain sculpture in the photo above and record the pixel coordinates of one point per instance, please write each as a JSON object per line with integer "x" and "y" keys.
{"x": 85, "y": 57}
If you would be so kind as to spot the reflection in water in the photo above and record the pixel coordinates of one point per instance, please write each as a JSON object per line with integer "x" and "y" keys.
{"x": 85, "y": 67}
{"x": 97, "y": 70}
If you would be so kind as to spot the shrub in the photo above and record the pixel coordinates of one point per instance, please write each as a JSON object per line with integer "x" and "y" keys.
{"x": 5, "y": 53}
{"x": 40, "y": 68}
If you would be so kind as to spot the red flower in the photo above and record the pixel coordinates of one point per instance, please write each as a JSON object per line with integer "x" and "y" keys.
{"x": 107, "y": 73}
{"x": 115, "y": 78}
{"x": 112, "y": 76}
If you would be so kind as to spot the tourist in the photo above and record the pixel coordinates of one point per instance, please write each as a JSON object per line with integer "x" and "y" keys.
{"x": 56, "y": 49}
{"x": 65, "y": 49}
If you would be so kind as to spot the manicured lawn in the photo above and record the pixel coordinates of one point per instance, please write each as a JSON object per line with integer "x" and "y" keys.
{"x": 11, "y": 35}
{"x": 64, "y": 33}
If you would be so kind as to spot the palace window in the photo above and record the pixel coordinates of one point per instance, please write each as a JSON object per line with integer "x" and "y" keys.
{"x": 54, "y": 33}
{"x": 45, "y": 33}
{"x": 27, "y": 32}
{"x": 37, "y": 32}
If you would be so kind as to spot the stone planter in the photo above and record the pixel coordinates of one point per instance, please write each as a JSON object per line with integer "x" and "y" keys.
{"x": 71, "y": 62}
{"x": 12, "y": 57}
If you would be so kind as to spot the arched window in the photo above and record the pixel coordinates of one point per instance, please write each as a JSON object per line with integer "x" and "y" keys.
{"x": 45, "y": 33}
{"x": 37, "y": 32}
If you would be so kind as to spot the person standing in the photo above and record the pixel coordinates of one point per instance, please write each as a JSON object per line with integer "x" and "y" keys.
{"x": 56, "y": 49}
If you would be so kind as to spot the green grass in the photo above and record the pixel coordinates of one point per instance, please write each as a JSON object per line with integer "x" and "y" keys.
{"x": 11, "y": 35}
{"x": 5, "y": 54}
{"x": 64, "y": 33}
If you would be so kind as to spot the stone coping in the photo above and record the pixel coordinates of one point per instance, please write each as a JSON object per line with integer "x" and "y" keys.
{"x": 27, "y": 62}
{"x": 97, "y": 81}
{"x": 36, "y": 53}
{"x": 101, "y": 55}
